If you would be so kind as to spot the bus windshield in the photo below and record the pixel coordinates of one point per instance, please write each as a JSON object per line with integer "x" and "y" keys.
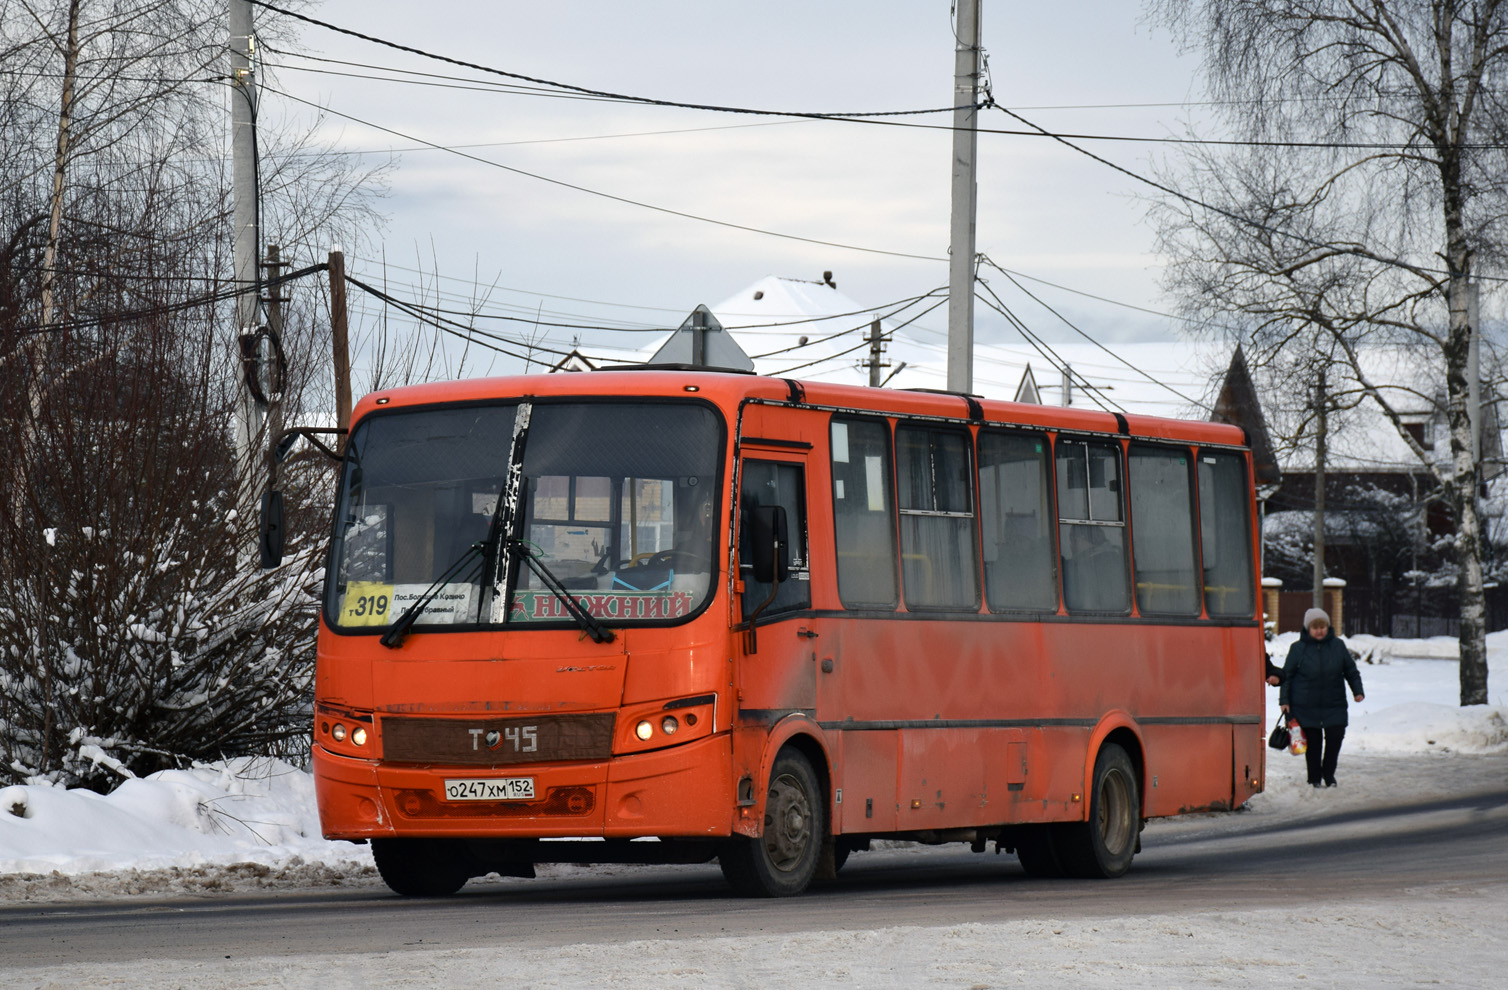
{"x": 618, "y": 503}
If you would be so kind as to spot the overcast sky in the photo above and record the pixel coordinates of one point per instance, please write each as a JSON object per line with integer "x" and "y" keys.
{"x": 1045, "y": 211}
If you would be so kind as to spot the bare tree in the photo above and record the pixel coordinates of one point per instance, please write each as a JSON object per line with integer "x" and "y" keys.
{"x": 1369, "y": 198}
{"x": 133, "y": 634}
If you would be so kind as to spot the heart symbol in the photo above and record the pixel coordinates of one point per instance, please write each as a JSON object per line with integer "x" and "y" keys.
{"x": 493, "y": 738}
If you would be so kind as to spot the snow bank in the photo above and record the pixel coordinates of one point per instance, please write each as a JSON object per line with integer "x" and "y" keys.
{"x": 247, "y": 810}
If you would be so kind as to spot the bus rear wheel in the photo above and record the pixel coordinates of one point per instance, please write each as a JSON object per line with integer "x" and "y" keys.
{"x": 420, "y": 867}
{"x": 1103, "y": 846}
{"x": 782, "y": 861}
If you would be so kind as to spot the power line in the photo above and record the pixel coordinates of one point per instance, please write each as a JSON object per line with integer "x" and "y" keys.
{"x": 1048, "y": 354}
{"x": 648, "y": 101}
{"x": 605, "y": 195}
{"x": 986, "y": 259}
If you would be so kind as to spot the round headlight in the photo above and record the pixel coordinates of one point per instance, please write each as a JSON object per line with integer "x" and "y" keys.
{"x": 644, "y": 730}
{"x": 338, "y": 733}
{"x": 359, "y": 736}
{"x": 668, "y": 725}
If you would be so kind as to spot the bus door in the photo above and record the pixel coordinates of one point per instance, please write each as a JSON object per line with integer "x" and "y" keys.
{"x": 777, "y": 674}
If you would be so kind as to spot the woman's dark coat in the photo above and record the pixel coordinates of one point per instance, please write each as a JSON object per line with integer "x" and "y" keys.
{"x": 1315, "y": 676}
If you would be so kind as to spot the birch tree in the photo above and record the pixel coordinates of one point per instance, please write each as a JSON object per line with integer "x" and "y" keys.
{"x": 1368, "y": 200}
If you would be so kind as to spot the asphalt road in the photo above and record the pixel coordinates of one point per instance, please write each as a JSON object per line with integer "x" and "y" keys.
{"x": 1223, "y": 863}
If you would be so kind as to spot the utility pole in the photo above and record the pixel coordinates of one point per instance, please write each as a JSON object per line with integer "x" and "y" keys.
{"x": 342, "y": 352}
{"x": 250, "y": 414}
{"x": 272, "y": 373}
{"x": 876, "y": 355}
{"x": 1322, "y": 408}
{"x": 966, "y": 64}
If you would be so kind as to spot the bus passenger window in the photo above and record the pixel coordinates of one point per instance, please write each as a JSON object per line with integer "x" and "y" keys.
{"x": 773, "y": 483}
{"x": 1092, "y": 527}
{"x": 937, "y": 518}
{"x": 862, "y": 520}
{"x": 1225, "y": 537}
{"x": 1015, "y": 514}
{"x": 1162, "y": 530}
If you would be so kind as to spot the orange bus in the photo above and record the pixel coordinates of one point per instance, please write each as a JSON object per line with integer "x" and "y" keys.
{"x": 671, "y": 615}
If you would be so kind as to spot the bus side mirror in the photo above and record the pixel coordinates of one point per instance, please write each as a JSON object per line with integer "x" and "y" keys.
{"x": 769, "y": 544}
{"x": 271, "y": 539}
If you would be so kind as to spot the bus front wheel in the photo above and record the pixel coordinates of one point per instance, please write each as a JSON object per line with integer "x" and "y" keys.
{"x": 419, "y": 867}
{"x": 1102, "y": 847}
{"x": 782, "y": 861}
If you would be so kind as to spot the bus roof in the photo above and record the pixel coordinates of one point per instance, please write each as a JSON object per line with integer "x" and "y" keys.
{"x": 728, "y": 389}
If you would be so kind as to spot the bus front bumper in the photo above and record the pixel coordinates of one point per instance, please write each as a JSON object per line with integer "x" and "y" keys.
{"x": 680, "y": 791}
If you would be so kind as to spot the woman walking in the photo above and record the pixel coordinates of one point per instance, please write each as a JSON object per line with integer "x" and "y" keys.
{"x": 1313, "y": 694}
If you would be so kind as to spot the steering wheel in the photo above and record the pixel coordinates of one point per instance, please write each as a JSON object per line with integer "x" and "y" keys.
{"x": 669, "y": 558}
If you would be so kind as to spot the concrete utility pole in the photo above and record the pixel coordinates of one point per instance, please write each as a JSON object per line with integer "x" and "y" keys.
{"x": 250, "y": 414}
{"x": 966, "y": 64}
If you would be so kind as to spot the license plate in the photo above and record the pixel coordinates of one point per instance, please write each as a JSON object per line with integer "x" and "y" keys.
{"x": 490, "y": 789}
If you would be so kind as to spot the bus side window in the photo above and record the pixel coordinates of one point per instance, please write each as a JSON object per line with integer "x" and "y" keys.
{"x": 1225, "y": 535}
{"x": 862, "y": 519}
{"x": 1092, "y": 527}
{"x": 936, "y": 504}
{"x": 1162, "y": 530}
{"x": 774, "y": 483}
{"x": 1015, "y": 513}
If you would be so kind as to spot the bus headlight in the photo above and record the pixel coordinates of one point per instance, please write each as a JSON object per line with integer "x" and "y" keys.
{"x": 338, "y": 733}
{"x": 359, "y": 735}
{"x": 644, "y": 730}
{"x": 668, "y": 725}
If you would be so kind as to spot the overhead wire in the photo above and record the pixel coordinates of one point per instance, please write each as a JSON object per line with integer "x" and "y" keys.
{"x": 1048, "y": 354}
{"x": 605, "y": 195}
{"x": 588, "y": 91}
{"x": 1074, "y": 327}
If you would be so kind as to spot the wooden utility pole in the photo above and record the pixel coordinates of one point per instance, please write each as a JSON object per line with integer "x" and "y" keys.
{"x": 271, "y": 352}
{"x": 342, "y": 354}
{"x": 876, "y": 355}
{"x": 1322, "y": 409}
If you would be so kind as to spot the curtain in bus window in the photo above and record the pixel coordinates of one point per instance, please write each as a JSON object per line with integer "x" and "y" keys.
{"x": 1225, "y": 535}
{"x": 862, "y": 521}
{"x": 1162, "y": 530}
{"x": 1015, "y": 516}
{"x": 774, "y": 483}
{"x": 937, "y": 518}
{"x": 1092, "y": 529}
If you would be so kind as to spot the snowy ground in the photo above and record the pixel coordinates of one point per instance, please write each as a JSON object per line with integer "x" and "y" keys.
{"x": 250, "y": 824}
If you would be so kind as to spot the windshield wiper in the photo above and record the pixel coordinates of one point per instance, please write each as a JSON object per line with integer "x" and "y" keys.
{"x": 398, "y": 631}
{"x": 586, "y": 620}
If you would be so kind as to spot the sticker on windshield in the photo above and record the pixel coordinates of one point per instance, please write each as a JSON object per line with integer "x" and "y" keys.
{"x": 370, "y": 603}
{"x": 366, "y": 603}
{"x": 543, "y": 606}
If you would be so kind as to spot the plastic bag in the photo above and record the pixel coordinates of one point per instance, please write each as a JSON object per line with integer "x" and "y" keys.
{"x": 1298, "y": 744}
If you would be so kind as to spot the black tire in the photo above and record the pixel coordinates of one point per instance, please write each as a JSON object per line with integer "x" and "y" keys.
{"x": 1102, "y": 847}
{"x": 1037, "y": 849}
{"x": 420, "y": 867}
{"x": 782, "y": 861}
